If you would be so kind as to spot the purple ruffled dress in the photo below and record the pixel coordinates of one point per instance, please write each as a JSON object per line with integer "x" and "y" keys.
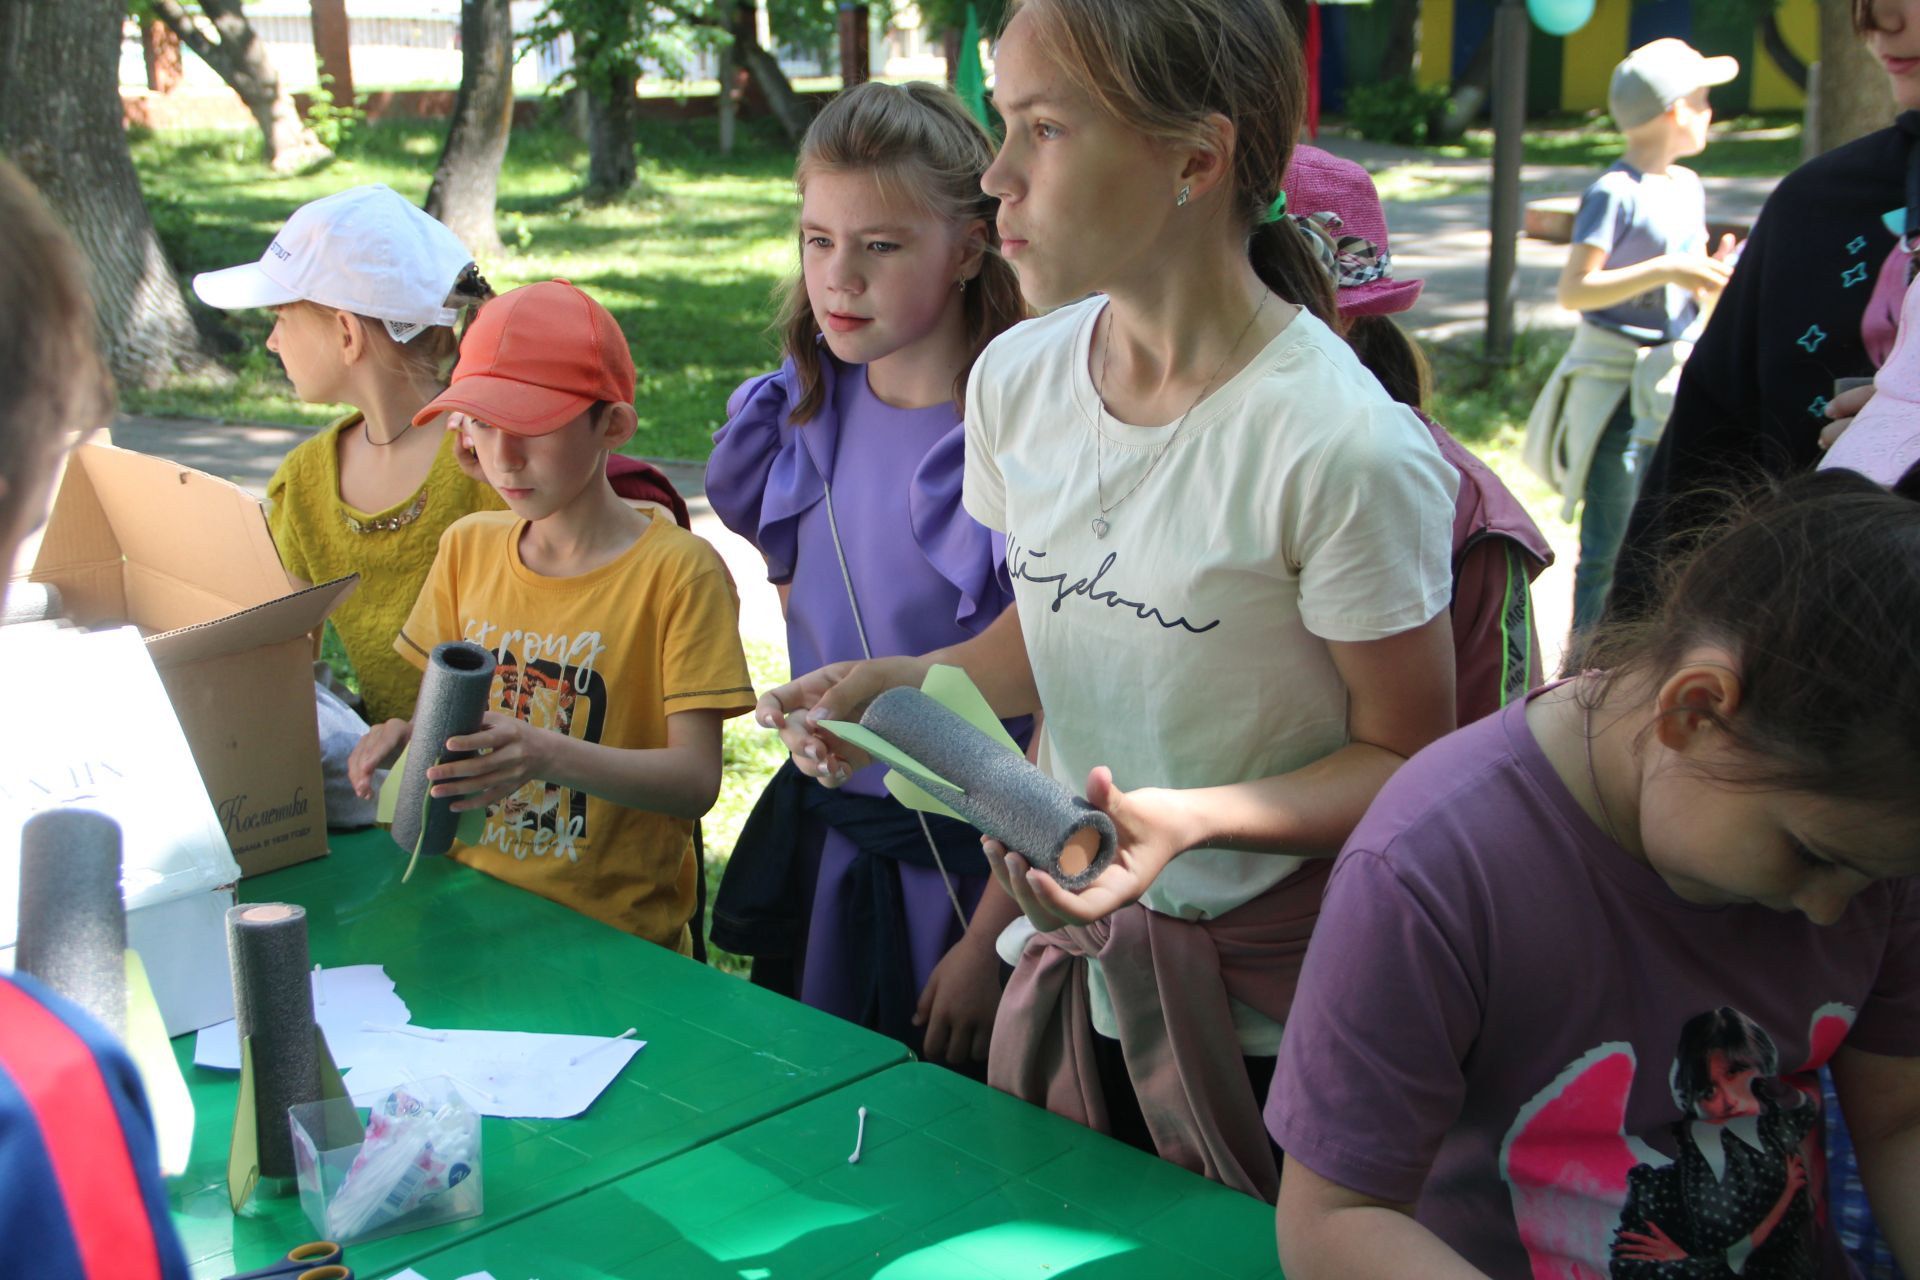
{"x": 925, "y": 573}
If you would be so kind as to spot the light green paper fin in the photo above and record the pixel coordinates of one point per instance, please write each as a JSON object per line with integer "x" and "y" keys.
{"x": 243, "y": 1158}
{"x": 885, "y": 752}
{"x": 390, "y": 791}
{"x": 159, "y": 1070}
{"x": 953, "y": 689}
{"x": 911, "y": 794}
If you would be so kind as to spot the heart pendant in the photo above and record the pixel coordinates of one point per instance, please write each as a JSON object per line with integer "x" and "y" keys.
{"x": 1100, "y": 526}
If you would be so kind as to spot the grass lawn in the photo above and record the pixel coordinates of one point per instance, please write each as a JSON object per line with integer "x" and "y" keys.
{"x": 688, "y": 261}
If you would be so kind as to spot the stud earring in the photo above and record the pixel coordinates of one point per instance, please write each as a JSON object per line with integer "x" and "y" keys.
{"x": 1185, "y": 194}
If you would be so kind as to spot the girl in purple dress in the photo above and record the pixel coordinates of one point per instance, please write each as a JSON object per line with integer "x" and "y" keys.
{"x": 844, "y": 468}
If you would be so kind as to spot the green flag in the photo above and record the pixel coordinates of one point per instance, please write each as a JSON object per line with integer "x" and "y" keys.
{"x": 970, "y": 81}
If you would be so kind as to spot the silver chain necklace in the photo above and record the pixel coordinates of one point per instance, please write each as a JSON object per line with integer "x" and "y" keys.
{"x": 1101, "y": 526}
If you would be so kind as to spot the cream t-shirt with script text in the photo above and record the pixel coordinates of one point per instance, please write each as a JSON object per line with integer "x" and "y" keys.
{"x": 1298, "y": 504}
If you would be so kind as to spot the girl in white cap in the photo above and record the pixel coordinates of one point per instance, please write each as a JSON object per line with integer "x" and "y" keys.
{"x": 365, "y": 289}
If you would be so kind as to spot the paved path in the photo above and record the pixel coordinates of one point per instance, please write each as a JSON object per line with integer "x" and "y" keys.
{"x": 1442, "y": 239}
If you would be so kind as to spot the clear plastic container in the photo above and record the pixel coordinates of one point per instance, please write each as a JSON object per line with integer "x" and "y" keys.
{"x": 411, "y": 1161}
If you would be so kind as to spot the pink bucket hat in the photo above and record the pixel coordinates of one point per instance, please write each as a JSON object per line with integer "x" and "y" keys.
{"x": 1883, "y": 442}
{"x": 1317, "y": 184}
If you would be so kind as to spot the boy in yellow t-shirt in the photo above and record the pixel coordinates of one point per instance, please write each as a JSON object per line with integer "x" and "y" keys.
{"x": 617, "y": 635}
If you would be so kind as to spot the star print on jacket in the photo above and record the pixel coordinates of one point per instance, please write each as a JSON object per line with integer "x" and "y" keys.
{"x": 1855, "y": 245}
{"x": 1812, "y": 338}
{"x": 1853, "y": 275}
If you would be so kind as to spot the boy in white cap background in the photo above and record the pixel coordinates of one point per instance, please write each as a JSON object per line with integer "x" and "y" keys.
{"x": 1639, "y": 273}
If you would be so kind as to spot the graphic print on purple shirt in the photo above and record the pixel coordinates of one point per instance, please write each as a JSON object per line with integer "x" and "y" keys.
{"x": 1741, "y": 1196}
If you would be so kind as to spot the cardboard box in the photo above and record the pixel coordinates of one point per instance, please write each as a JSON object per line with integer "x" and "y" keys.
{"x": 93, "y": 728}
{"x": 187, "y": 558}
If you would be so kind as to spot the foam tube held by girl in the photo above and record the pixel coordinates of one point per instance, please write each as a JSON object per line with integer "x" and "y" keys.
{"x": 1004, "y": 796}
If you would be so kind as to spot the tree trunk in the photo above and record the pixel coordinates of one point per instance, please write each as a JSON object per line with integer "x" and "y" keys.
{"x": 1470, "y": 94}
{"x": 60, "y": 121}
{"x": 333, "y": 48}
{"x": 1767, "y": 28}
{"x": 781, "y": 99}
{"x": 1403, "y": 30}
{"x": 612, "y": 109}
{"x": 162, "y": 52}
{"x": 856, "y": 56}
{"x": 241, "y": 60}
{"x": 1854, "y": 96}
{"x": 466, "y": 181}
{"x": 728, "y": 74}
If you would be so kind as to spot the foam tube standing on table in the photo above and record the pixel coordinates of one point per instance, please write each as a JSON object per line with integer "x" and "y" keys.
{"x": 273, "y": 1005}
{"x": 1005, "y": 796}
{"x": 73, "y": 921}
{"x": 30, "y": 602}
{"x": 453, "y": 701}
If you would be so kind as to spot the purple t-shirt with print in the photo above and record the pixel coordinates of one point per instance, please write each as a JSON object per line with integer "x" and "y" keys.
{"x": 1573, "y": 1071}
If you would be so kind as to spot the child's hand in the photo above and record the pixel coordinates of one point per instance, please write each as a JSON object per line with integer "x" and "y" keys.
{"x": 375, "y": 751}
{"x": 1151, "y": 825}
{"x": 463, "y": 452}
{"x": 513, "y": 753}
{"x": 1705, "y": 276}
{"x": 839, "y": 691}
{"x": 1726, "y": 250}
{"x": 1842, "y": 409}
{"x": 959, "y": 1002}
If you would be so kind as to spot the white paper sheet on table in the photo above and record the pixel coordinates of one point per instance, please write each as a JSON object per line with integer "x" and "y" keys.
{"x": 343, "y": 1000}
{"x": 501, "y": 1073}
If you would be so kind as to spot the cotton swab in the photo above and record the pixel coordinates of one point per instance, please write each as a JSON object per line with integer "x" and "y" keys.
{"x": 474, "y": 1089}
{"x": 577, "y": 1058}
{"x": 859, "y": 1138}
{"x": 425, "y": 1033}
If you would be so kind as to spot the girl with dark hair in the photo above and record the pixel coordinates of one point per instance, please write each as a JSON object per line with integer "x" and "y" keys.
{"x": 847, "y": 899}
{"x": 1709, "y": 838}
{"x": 1229, "y": 550}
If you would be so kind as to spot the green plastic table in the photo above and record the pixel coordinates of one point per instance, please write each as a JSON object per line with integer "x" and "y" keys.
{"x": 467, "y": 951}
{"x": 956, "y": 1182}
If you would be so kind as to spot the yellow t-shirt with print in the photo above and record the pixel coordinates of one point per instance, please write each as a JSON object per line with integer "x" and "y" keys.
{"x": 321, "y": 538}
{"x": 605, "y": 656}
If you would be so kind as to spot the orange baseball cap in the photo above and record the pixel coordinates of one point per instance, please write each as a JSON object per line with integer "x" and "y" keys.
{"x": 534, "y": 359}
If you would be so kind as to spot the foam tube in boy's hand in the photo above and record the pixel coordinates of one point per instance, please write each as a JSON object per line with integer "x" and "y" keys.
{"x": 273, "y": 1014}
{"x": 1004, "y": 796}
{"x": 453, "y": 701}
{"x": 73, "y": 921}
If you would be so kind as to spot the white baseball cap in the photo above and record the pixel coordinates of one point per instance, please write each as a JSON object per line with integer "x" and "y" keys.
{"x": 367, "y": 250}
{"x": 1657, "y": 75}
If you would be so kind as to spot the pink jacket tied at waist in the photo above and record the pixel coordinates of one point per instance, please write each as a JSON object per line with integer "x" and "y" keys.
{"x": 1169, "y": 981}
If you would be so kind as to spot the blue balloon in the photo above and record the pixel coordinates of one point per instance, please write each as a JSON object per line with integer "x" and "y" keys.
{"x": 1560, "y": 17}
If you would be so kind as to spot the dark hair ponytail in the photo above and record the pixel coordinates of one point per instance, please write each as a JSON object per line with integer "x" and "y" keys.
{"x": 1288, "y": 265}
{"x": 1392, "y": 357}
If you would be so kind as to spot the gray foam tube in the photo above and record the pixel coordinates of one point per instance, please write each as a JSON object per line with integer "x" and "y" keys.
{"x": 273, "y": 1003}
{"x": 29, "y": 602}
{"x": 453, "y": 701}
{"x": 1006, "y": 797}
{"x": 73, "y": 921}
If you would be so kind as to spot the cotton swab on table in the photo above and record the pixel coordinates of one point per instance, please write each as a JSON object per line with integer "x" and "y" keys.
{"x": 425, "y": 1033}
{"x": 859, "y": 1138}
{"x": 577, "y": 1058}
